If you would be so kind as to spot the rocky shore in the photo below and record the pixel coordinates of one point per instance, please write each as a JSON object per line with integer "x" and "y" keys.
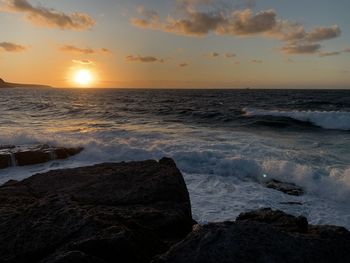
{"x": 141, "y": 212}
{"x": 6, "y": 85}
{"x": 11, "y": 155}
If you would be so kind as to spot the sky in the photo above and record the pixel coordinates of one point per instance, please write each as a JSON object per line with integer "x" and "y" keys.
{"x": 176, "y": 43}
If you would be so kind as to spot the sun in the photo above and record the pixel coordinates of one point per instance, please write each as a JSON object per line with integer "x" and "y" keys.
{"x": 83, "y": 77}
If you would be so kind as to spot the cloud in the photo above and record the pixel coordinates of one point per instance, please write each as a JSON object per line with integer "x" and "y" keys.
{"x": 244, "y": 22}
{"x": 83, "y": 61}
{"x": 143, "y": 59}
{"x": 47, "y": 17}
{"x": 323, "y": 33}
{"x": 74, "y": 49}
{"x": 334, "y": 53}
{"x": 195, "y": 22}
{"x": 230, "y": 55}
{"x": 327, "y": 54}
{"x": 105, "y": 50}
{"x": 213, "y": 55}
{"x": 301, "y": 48}
{"x": 256, "y": 61}
{"x": 12, "y": 47}
{"x": 215, "y": 4}
{"x": 183, "y": 65}
{"x": 150, "y": 18}
{"x": 84, "y": 51}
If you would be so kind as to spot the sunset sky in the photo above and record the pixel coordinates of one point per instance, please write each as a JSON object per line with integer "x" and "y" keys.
{"x": 177, "y": 43}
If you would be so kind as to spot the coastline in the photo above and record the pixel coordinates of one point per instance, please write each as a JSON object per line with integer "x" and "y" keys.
{"x": 141, "y": 212}
{"x": 4, "y": 85}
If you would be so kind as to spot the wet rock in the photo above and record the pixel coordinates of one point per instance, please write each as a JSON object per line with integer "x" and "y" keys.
{"x": 277, "y": 218}
{"x": 30, "y": 155}
{"x": 261, "y": 236}
{"x": 74, "y": 257}
{"x": 125, "y": 212}
{"x": 64, "y": 153}
{"x": 287, "y": 188}
{"x": 5, "y": 160}
{"x": 10, "y": 182}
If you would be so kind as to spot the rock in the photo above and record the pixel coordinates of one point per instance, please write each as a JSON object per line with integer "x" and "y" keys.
{"x": 30, "y": 155}
{"x": 125, "y": 212}
{"x": 74, "y": 257}
{"x": 3, "y": 84}
{"x": 10, "y": 182}
{"x": 277, "y": 218}
{"x": 287, "y": 188}
{"x": 261, "y": 236}
{"x": 64, "y": 153}
{"x": 5, "y": 160}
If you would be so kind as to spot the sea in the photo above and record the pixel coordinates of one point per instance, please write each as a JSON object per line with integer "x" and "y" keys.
{"x": 225, "y": 142}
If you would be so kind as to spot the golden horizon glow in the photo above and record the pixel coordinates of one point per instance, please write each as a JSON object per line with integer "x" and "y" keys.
{"x": 83, "y": 77}
{"x": 141, "y": 44}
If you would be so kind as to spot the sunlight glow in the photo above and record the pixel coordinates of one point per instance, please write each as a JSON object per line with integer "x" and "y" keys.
{"x": 83, "y": 77}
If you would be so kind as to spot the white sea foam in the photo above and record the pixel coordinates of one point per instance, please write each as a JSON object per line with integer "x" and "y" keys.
{"x": 223, "y": 170}
{"x": 335, "y": 120}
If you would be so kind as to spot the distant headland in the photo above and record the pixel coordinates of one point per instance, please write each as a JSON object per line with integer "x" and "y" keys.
{"x": 4, "y": 84}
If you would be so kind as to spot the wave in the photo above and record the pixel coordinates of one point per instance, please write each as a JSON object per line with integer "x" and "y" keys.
{"x": 223, "y": 178}
{"x": 332, "y": 120}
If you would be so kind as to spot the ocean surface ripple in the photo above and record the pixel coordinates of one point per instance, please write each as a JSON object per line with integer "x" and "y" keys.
{"x": 224, "y": 141}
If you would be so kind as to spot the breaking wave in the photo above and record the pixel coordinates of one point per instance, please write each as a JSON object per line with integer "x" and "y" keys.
{"x": 332, "y": 120}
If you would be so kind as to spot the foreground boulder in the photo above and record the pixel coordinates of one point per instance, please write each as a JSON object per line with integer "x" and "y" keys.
{"x": 126, "y": 212}
{"x": 262, "y": 236}
{"x": 29, "y": 155}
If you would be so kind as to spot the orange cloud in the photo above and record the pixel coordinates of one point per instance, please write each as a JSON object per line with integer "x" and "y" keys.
{"x": 237, "y": 23}
{"x": 301, "y": 48}
{"x": 84, "y": 51}
{"x": 12, "y": 47}
{"x": 230, "y": 55}
{"x": 47, "y": 17}
{"x": 144, "y": 59}
{"x": 213, "y": 55}
{"x": 323, "y": 33}
{"x": 242, "y": 22}
{"x": 83, "y": 61}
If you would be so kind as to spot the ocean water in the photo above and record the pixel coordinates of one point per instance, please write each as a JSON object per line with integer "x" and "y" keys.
{"x": 224, "y": 141}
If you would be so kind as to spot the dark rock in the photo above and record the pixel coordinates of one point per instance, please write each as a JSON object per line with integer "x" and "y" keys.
{"x": 263, "y": 236}
{"x": 74, "y": 257}
{"x": 10, "y": 182}
{"x": 30, "y": 155}
{"x": 4, "y": 147}
{"x": 276, "y": 218}
{"x": 4, "y": 84}
{"x": 64, "y": 153}
{"x": 287, "y": 188}
{"x": 5, "y": 160}
{"x": 126, "y": 212}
